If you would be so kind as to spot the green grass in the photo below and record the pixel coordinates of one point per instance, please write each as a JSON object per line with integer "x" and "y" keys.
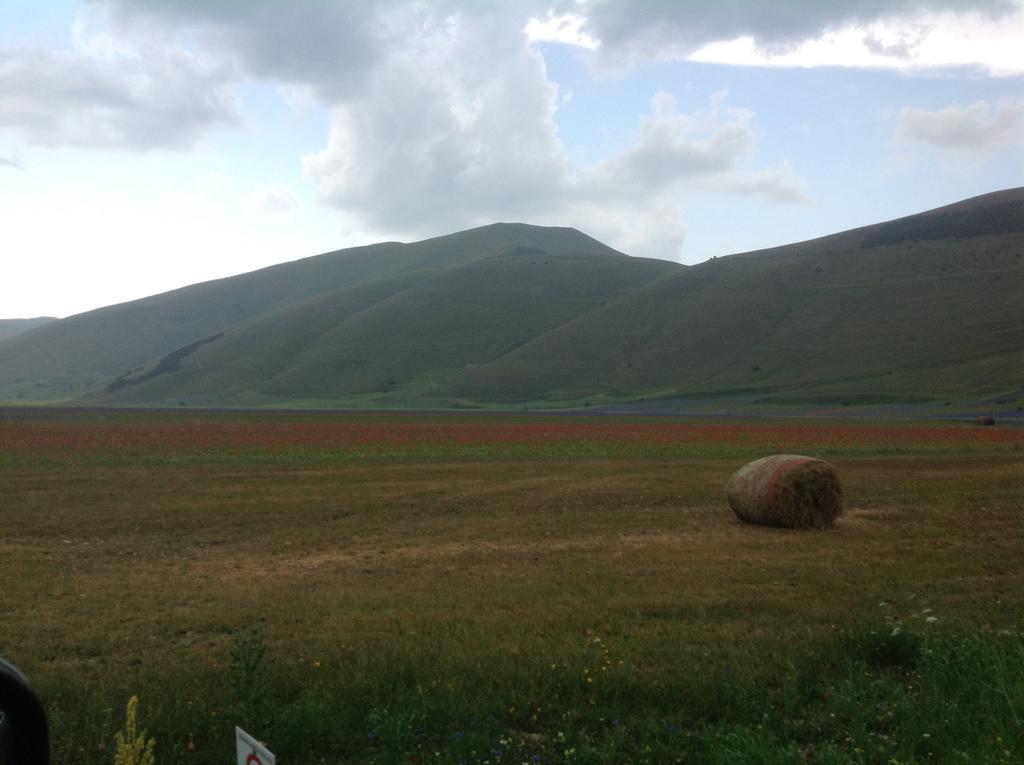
{"x": 450, "y": 605}
{"x": 852, "y": 698}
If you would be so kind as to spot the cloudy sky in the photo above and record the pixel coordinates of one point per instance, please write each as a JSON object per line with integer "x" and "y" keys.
{"x": 148, "y": 144}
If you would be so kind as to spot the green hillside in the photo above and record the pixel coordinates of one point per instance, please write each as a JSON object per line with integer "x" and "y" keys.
{"x": 418, "y": 329}
{"x": 82, "y": 354}
{"x": 12, "y": 327}
{"x": 67, "y": 358}
{"x": 930, "y": 306}
{"x": 925, "y": 308}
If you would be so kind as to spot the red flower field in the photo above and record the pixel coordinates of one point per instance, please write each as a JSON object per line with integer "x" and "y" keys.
{"x": 135, "y": 434}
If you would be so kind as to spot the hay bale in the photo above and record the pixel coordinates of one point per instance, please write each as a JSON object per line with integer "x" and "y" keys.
{"x": 786, "y": 490}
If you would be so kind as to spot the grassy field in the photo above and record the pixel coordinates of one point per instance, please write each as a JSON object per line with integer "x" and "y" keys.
{"x": 409, "y": 589}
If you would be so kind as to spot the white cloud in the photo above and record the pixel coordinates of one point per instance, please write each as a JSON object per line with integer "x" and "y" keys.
{"x": 778, "y": 185}
{"x": 300, "y": 98}
{"x": 902, "y": 34}
{"x": 323, "y": 47}
{"x": 11, "y": 162}
{"x": 467, "y": 136}
{"x": 109, "y": 94}
{"x": 565, "y": 28}
{"x": 673, "y": 148}
{"x": 274, "y": 198}
{"x": 922, "y": 43}
{"x": 441, "y": 115}
{"x": 977, "y": 127}
{"x": 642, "y": 226}
{"x": 455, "y": 127}
{"x": 976, "y": 40}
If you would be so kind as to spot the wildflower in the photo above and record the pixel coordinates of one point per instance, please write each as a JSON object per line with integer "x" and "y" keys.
{"x": 132, "y": 748}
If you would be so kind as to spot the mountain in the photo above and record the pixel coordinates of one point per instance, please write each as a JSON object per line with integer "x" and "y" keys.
{"x": 924, "y": 307}
{"x": 11, "y": 327}
{"x": 928, "y": 307}
{"x": 355, "y": 321}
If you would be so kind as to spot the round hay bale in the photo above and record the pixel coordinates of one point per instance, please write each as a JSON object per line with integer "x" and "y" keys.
{"x": 786, "y": 490}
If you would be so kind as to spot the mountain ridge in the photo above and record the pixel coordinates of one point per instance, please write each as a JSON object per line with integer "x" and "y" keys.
{"x": 769, "y": 286}
{"x": 921, "y": 307}
{"x": 13, "y": 327}
{"x": 81, "y": 354}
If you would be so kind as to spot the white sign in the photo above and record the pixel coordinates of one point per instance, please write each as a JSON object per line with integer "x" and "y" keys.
{"x": 250, "y": 751}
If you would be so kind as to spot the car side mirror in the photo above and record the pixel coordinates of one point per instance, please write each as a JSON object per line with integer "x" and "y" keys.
{"x": 24, "y": 731}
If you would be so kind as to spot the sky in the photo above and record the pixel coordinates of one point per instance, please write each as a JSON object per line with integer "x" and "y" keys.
{"x": 150, "y": 144}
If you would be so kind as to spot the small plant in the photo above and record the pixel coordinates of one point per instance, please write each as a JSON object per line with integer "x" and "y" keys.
{"x": 130, "y": 744}
{"x": 247, "y": 653}
{"x": 395, "y": 729}
{"x": 896, "y": 650}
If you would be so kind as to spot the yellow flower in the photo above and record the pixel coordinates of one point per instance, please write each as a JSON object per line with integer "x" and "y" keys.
{"x": 131, "y": 745}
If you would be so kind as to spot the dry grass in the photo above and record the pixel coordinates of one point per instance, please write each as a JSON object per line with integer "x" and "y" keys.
{"x": 485, "y": 582}
{"x": 128, "y": 568}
